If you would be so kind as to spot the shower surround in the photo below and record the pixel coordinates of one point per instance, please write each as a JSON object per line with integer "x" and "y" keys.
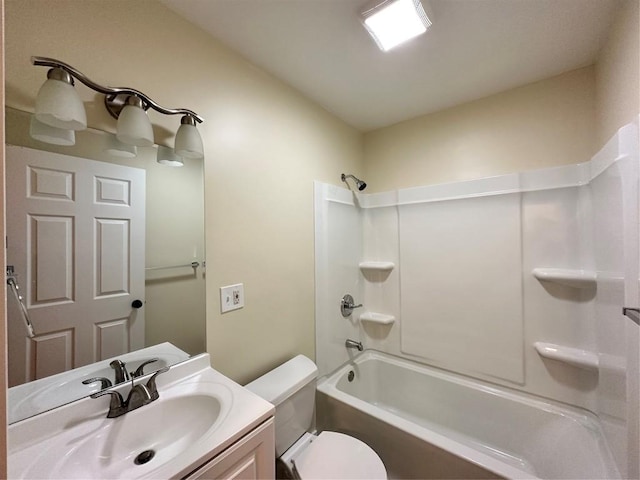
{"x": 518, "y": 280}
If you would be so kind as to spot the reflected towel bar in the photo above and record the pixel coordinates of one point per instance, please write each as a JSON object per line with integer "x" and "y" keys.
{"x": 164, "y": 267}
{"x": 13, "y": 286}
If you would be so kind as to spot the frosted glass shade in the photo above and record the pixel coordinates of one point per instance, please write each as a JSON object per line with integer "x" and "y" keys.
{"x": 118, "y": 149}
{"x": 188, "y": 142}
{"x": 166, "y": 156}
{"x": 134, "y": 127}
{"x": 58, "y": 105}
{"x": 52, "y": 135}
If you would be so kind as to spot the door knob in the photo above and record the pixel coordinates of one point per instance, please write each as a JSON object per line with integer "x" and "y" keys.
{"x": 137, "y": 304}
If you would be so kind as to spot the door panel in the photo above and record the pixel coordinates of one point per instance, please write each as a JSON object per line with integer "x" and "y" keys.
{"x": 75, "y": 236}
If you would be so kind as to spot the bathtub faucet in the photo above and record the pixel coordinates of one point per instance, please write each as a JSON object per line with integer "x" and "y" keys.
{"x": 353, "y": 344}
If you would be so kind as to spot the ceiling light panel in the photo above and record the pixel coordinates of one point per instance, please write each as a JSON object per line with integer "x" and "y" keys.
{"x": 393, "y": 22}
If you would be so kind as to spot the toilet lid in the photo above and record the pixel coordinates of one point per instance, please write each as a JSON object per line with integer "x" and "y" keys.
{"x": 335, "y": 455}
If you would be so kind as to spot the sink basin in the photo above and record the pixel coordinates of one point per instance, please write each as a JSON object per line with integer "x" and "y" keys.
{"x": 195, "y": 415}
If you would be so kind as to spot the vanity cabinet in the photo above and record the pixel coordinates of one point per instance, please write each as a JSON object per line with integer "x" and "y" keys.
{"x": 250, "y": 458}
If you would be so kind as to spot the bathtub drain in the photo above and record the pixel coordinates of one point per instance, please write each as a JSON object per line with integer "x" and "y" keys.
{"x": 144, "y": 457}
{"x": 351, "y": 375}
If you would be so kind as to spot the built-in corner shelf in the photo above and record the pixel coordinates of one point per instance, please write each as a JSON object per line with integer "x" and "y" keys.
{"x": 380, "y": 318}
{"x": 377, "y": 266}
{"x": 563, "y": 276}
{"x": 573, "y": 356}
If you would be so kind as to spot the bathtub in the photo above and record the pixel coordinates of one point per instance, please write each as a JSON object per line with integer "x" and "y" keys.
{"x": 429, "y": 423}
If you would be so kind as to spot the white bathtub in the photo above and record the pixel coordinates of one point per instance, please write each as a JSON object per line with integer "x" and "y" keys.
{"x": 428, "y": 423}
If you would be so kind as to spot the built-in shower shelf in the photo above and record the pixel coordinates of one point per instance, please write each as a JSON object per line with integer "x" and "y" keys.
{"x": 374, "y": 317}
{"x": 563, "y": 276}
{"x": 377, "y": 266}
{"x": 573, "y": 356}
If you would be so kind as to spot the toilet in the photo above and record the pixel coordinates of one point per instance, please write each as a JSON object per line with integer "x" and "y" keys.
{"x": 291, "y": 387}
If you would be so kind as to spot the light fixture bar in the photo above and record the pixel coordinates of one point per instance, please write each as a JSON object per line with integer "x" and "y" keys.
{"x": 112, "y": 91}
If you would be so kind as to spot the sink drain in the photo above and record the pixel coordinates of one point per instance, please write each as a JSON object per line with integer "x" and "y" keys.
{"x": 144, "y": 457}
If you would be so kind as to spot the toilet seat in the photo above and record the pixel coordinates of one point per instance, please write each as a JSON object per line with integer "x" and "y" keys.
{"x": 334, "y": 455}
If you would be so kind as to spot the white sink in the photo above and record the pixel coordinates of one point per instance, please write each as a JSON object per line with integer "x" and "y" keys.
{"x": 199, "y": 413}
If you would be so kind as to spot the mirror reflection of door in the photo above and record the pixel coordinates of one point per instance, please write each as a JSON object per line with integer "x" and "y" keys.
{"x": 65, "y": 214}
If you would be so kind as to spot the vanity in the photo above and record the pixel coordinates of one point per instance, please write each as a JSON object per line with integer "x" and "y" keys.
{"x": 203, "y": 425}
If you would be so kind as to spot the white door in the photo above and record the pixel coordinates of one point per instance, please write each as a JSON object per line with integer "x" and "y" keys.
{"x": 75, "y": 236}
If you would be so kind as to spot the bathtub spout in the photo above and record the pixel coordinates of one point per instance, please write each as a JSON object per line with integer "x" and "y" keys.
{"x": 353, "y": 344}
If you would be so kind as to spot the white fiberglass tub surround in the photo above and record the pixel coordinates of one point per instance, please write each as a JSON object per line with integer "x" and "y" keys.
{"x": 505, "y": 433}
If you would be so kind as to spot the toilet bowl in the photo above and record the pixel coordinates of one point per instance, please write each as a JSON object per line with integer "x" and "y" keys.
{"x": 325, "y": 455}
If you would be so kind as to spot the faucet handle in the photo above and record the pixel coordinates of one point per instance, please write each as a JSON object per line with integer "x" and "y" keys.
{"x": 117, "y": 406}
{"x": 104, "y": 382}
{"x": 347, "y": 305}
{"x": 140, "y": 370}
{"x": 151, "y": 384}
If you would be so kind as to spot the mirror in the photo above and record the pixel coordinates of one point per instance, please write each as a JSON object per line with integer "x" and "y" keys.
{"x": 167, "y": 247}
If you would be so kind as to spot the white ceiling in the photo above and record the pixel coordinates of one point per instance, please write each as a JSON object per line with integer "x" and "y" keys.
{"x": 475, "y": 48}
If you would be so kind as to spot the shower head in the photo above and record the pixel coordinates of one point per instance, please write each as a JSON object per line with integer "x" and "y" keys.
{"x": 359, "y": 183}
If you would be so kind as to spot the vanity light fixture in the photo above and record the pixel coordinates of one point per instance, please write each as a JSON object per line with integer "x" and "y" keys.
{"x": 392, "y": 22}
{"x": 59, "y": 106}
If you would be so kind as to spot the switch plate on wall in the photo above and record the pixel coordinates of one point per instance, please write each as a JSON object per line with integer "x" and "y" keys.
{"x": 231, "y": 297}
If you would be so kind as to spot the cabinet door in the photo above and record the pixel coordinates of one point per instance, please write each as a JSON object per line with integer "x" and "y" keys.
{"x": 250, "y": 458}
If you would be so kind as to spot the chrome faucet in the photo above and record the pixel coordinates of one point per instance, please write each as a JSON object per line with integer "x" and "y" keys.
{"x": 121, "y": 372}
{"x": 353, "y": 344}
{"x": 139, "y": 396}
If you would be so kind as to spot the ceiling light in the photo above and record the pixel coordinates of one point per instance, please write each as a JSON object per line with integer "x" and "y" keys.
{"x": 166, "y": 156}
{"x": 134, "y": 127}
{"x": 188, "y": 142}
{"x": 392, "y": 22}
{"x": 58, "y": 104}
{"x": 48, "y": 134}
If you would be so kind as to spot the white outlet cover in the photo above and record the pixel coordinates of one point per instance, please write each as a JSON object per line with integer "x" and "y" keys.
{"x": 231, "y": 297}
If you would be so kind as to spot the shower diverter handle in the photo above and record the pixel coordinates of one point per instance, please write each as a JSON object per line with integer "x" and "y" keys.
{"x": 347, "y": 305}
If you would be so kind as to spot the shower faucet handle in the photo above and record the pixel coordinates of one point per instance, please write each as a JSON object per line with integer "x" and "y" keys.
{"x": 347, "y": 305}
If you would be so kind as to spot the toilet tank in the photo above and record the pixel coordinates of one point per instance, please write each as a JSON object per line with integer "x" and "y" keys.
{"x": 291, "y": 387}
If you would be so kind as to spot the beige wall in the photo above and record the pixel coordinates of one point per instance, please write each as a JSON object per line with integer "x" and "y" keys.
{"x": 264, "y": 144}
{"x": 618, "y": 73}
{"x": 551, "y": 122}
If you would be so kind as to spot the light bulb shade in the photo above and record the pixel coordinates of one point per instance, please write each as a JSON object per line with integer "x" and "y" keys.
{"x": 134, "y": 127}
{"x": 118, "y": 149}
{"x": 48, "y": 134}
{"x": 188, "y": 142}
{"x": 166, "y": 156}
{"x": 58, "y": 105}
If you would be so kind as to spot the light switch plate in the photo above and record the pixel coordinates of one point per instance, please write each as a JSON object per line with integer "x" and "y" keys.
{"x": 231, "y": 297}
